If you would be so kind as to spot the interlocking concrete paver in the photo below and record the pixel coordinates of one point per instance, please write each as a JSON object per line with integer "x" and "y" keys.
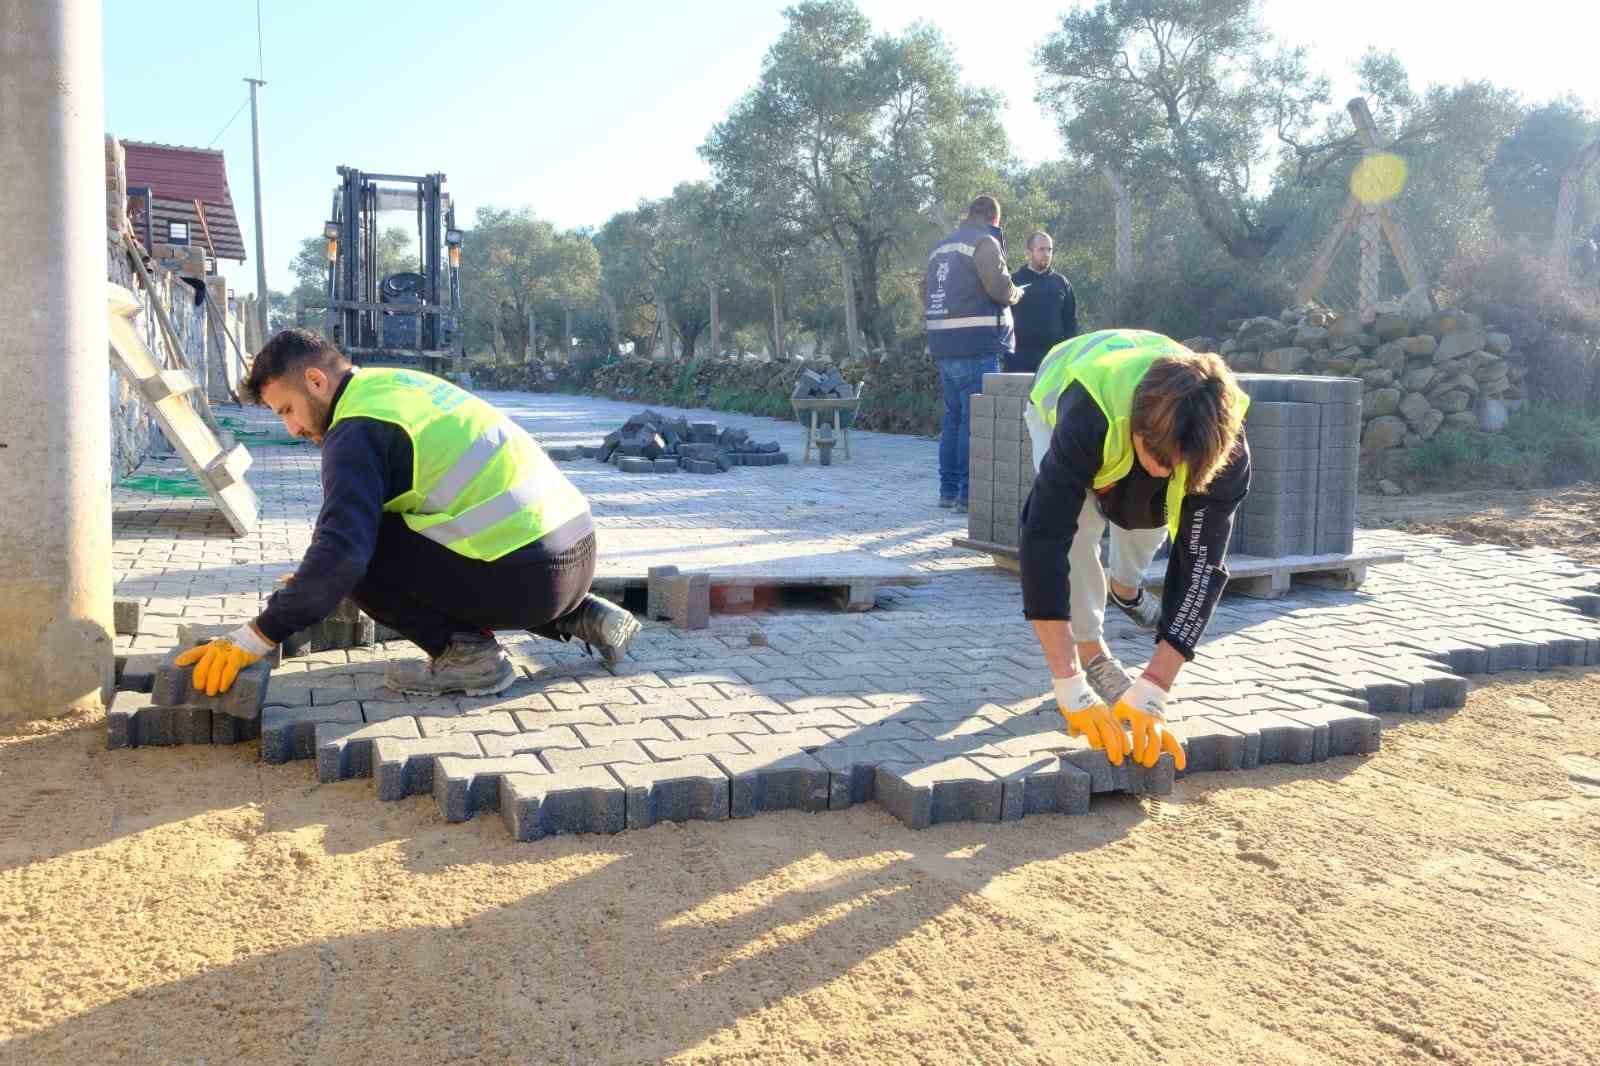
{"x": 680, "y": 790}
{"x": 465, "y": 785}
{"x": 946, "y": 672}
{"x": 403, "y": 767}
{"x": 291, "y": 732}
{"x": 590, "y": 800}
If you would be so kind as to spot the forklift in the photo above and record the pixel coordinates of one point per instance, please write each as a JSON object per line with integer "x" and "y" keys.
{"x": 408, "y": 319}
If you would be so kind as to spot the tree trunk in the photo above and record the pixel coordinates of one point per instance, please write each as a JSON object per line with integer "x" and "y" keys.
{"x": 848, "y": 282}
{"x": 611, "y": 320}
{"x": 566, "y": 334}
{"x": 716, "y": 324}
{"x": 878, "y": 331}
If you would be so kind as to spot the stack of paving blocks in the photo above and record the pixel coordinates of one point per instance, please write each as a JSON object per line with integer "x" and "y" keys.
{"x": 1000, "y": 471}
{"x": 1305, "y": 440}
{"x": 346, "y": 627}
{"x": 1305, "y": 450}
{"x": 177, "y": 714}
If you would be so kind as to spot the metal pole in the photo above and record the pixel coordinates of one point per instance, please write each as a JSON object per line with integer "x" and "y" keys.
{"x": 261, "y": 240}
{"x": 55, "y": 425}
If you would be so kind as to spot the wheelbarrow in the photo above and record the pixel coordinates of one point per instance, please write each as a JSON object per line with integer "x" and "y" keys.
{"x": 841, "y": 430}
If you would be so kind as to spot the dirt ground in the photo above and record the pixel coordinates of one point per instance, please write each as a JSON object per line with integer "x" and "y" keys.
{"x": 1565, "y": 519}
{"x": 1436, "y": 901}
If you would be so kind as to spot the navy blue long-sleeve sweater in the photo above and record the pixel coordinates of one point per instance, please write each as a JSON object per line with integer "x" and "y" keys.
{"x": 365, "y": 462}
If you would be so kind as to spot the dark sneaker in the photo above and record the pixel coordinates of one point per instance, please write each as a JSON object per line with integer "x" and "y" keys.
{"x": 473, "y": 664}
{"x": 1108, "y": 678}
{"x": 1145, "y": 609}
{"x": 947, "y": 502}
{"x": 602, "y": 626}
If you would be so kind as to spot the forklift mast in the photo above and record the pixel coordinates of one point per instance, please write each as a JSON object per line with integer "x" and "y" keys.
{"x": 408, "y": 318}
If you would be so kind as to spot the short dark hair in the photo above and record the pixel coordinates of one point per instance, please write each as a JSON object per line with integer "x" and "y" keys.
{"x": 987, "y": 208}
{"x": 1035, "y": 235}
{"x": 290, "y": 350}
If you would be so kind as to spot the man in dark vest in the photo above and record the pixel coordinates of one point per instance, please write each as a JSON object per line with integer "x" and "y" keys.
{"x": 1047, "y": 313}
{"x": 968, "y": 298}
{"x": 440, "y": 517}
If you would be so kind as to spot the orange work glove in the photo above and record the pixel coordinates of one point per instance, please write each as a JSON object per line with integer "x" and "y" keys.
{"x": 1144, "y": 708}
{"x": 1088, "y": 717}
{"x": 220, "y": 661}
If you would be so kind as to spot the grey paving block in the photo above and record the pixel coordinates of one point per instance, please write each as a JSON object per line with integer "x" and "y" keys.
{"x": 497, "y": 745}
{"x": 289, "y": 733}
{"x": 1129, "y": 777}
{"x": 173, "y": 686}
{"x": 126, "y": 617}
{"x": 656, "y": 592}
{"x": 463, "y": 786}
{"x": 404, "y": 767}
{"x": 652, "y": 729}
{"x": 768, "y": 782}
{"x": 490, "y": 722}
{"x": 1007, "y": 384}
{"x": 344, "y": 750}
{"x": 590, "y": 800}
{"x": 1037, "y": 784}
{"x": 1278, "y": 413}
{"x": 982, "y": 406}
{"x": 1340, "y": 731}
{"x": 982, "y": 448}
{"x": 1211, "y": 744}
{"x": 688, "y": 600}
{"x": 667, "y": 750}
{"x": 559, "y": 759}
{"x": 226, "y": 729}
{"x": 687, "y": 789}
{"x": 1271, "y": 738}
{"x": 953, "y": 790}
{"x": 852, "y": 769}
{"x": 122, "y": 729}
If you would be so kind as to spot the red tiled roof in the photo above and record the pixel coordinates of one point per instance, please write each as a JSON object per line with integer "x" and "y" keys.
{"x": 182, "y": 174}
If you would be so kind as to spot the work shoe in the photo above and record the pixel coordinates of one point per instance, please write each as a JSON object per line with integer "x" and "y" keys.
{"x": 961, "y": 507}
{"x": 472, "y": 663}
{"x": 1144, "y": 609}
{"x": 947, "y": 502}
{"x": 602, "y": 626}
{"x": 1108, "y": 677}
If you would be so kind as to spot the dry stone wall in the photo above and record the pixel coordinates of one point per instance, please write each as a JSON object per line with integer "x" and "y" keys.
{"x": 1421, "y": 370}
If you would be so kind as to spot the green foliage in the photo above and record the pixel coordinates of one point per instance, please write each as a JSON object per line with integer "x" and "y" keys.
{"x": 514, "y": 263}
{"x": 1525, "y": 176}
{"x": 1542, "y": 445}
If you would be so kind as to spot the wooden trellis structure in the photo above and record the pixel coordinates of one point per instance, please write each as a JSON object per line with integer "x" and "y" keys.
{"x": 1373, "y": 224}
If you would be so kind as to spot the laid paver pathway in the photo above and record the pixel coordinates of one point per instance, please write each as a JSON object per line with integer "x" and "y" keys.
{"x": 935, "y": 704}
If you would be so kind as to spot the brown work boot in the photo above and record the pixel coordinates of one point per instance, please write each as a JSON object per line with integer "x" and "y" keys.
{"x": 602, "y": 626}
{"x": 473, "y": 664}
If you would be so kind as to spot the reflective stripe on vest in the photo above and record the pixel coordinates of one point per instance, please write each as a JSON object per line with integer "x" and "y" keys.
{"x": 480, "y": 485}
{"x": 1109, "y": 365}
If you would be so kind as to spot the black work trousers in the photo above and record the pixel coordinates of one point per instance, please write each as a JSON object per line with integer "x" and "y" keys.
{"x": 1021, "y": 362}
{"x": 428, "y": 592}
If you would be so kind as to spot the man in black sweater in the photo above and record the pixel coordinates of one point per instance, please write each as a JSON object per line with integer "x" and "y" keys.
{"x": 440, "y": 517}
{"x": 1048, "y": 312}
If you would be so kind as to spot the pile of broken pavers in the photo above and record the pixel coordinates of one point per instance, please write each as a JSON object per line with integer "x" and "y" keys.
{"x": 653, "y": 443}
{"x": 828, "y": 385}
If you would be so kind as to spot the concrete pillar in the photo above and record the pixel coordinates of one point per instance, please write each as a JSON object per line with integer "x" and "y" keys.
{"x": 55, "y": 421}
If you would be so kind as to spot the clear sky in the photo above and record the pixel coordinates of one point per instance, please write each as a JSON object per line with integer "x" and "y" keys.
{"x": 580, "y": 109}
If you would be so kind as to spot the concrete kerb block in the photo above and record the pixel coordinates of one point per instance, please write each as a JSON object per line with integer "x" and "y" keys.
{"x": 289, "y": 733}
{"x": 590, "y": 800}
{"x": 404, "y": 767}
{"x": 344, "y": 750}
{"x": 463, "y": 786}
{"x": 687, "y": 789}
{"x": 656, "y": 592}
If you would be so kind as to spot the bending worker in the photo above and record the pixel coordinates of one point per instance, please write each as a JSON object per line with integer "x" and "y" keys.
{"x": 440, "y": 517}
{"x": 1132, "y": 430}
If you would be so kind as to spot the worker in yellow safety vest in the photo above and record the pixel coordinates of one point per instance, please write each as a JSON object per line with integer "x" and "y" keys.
{"x": 440, "y": 517}
{"x": 1133, "y": 431}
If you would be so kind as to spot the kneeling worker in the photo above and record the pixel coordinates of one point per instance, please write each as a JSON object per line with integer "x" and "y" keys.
{"x": 440, "y": 517}
{"x": 1132, "y": 430}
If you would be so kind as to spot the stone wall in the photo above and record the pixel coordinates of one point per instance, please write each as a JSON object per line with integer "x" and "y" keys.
{"x": 1421, "y": 369}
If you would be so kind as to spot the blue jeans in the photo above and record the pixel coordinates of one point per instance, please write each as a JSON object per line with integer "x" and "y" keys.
{"x": 961, "y": 378}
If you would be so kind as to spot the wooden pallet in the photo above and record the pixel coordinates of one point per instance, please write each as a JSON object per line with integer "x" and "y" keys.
{"x": 1255, "y": 576}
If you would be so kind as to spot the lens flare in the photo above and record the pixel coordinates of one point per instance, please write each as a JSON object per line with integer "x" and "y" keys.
{"x": 1378, "y": 178}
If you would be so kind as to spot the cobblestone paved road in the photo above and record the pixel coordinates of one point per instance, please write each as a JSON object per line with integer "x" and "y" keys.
{"x": 934, "y": 704}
